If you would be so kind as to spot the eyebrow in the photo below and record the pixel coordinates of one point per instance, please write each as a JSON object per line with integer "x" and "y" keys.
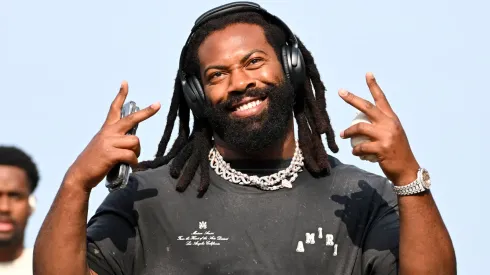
{"x": 243, "y": 59}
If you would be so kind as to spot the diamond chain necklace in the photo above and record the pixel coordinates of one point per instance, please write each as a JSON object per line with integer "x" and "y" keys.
{"x": 285, "y": 178}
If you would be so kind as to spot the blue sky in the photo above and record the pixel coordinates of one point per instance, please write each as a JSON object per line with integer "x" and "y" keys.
{"x": 61, "y": 63}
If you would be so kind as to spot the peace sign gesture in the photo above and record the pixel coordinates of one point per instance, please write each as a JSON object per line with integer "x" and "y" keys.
{"x": 110, "y": 145}
{"x": 388, "y": 140}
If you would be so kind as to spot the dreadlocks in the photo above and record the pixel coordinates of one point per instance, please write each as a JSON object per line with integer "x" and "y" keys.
{"x": 190, "y": 149}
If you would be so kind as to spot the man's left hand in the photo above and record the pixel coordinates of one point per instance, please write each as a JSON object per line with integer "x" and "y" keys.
{"x": 388, "y": 140}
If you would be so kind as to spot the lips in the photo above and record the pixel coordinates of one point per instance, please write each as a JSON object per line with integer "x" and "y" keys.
{"x": 249, "y": 105}
{"x": 246, "y": 104}
{"x": 6, "y": 226}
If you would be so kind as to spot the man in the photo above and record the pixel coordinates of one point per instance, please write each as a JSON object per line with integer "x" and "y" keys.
{"x": 18, "y": 180}
{"x": 268, "y": 203}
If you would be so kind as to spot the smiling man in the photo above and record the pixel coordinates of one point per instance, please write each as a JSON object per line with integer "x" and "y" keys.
{"x": 268, "y": 201}
{"x": 18, "y": 180}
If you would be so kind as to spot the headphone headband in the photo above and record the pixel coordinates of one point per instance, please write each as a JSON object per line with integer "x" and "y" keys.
{"x": 234, "y": 7}
{"x": 225, "y": 9}
{"x": 292, "y": 59}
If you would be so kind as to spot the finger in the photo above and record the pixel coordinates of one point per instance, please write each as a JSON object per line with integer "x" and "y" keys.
{"x": 125, "y": 124}
{"x": 129, "y": 142}
{"x": 361, "y": 128}
{"x": 378, "y": 94}
{"x": 362, "y": 105}
{"x": 125, "y": 156}
{"x": 340, "y": 199}
{"x": 366, "y": 148}
{"x": 115, "y": 110}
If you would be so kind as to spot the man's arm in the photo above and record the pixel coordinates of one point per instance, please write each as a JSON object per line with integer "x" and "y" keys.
{"x": 425, "y": 244}
{"x": 105, "y": 247}
{"x": 60, "y": 247}
{"x": 407, "y": 236}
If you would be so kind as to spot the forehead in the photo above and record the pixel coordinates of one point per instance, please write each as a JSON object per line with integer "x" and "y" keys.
{"x": 234, "y": 41}
{"x": 13, "y": 179}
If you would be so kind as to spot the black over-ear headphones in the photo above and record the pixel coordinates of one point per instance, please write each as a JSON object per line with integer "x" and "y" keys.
{"x": 292, "y": 59}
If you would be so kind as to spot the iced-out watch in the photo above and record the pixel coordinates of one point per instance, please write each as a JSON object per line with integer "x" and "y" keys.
{"x": 421, "y": 184}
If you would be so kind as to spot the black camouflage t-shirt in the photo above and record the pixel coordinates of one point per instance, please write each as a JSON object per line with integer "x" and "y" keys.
{"x": 345, "y": 223}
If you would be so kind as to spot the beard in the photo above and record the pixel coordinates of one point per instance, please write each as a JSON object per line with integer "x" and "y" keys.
{"x": 8, "y": 239}
{"x": 255, "y": 133}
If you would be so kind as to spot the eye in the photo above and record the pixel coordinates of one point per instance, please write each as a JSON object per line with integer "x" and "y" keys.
{"x": 254, "y": 62}
{"x": 216, "y": 74}
{"x": 15, "y": 195}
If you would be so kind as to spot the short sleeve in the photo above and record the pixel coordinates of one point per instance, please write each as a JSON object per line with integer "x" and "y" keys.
{"x": 381, "y": 242}
{"x": 111, "y": 233}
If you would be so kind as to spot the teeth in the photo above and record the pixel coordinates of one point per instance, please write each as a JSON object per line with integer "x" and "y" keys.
{"x": 249, "y": 105}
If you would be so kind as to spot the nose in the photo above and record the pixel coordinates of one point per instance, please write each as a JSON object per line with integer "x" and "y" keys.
{"x": 4, "y": 204}
{"x": 240, "y": 81}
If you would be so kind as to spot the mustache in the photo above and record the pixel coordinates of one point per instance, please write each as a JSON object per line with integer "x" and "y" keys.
{"x": 8, "y": 219}
{"x": 234, "y": 98}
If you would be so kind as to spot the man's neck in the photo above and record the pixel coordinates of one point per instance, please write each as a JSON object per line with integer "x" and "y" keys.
{"x": 11, "y": 252}
{"x": 283, "y": 149}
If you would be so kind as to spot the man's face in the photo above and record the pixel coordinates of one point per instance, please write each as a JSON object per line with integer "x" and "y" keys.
{"x": 251, "y": 101}
{"x": 14, "y": 204}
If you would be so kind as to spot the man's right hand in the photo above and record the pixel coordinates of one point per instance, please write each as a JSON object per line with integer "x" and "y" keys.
{"x": 110, "y": 145}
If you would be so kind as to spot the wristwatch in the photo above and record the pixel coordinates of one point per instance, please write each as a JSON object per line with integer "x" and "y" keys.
{"x": 421, "y": 184}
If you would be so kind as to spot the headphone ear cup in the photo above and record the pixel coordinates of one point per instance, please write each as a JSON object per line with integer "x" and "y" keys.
{"x": 298, "y": 72}
{"x": 198, "y": 104}
{"x": 194, "y": 95}
{"x": 32, "y": 203}
{"x": 189, "y": 94}
{"x": 198, "y": 90}
{"x": 286, "y": 62}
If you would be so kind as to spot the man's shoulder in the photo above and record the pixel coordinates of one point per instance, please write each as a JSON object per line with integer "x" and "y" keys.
{"x": 345, "y": 171}
{"x": 21, "y": 265}
{"x": 142, "y": 186}
{"x": 28, "y": 254}
{"x": 359, "y": 190}
{"x": 348, "y": 178}
{"x": 153, "y": 177}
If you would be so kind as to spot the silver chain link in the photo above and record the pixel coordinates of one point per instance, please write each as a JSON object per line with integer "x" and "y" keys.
{"x": 281, "y": 179}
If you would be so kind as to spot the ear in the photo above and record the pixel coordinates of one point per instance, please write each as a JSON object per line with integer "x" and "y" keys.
{"x": 32, "y": 203}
